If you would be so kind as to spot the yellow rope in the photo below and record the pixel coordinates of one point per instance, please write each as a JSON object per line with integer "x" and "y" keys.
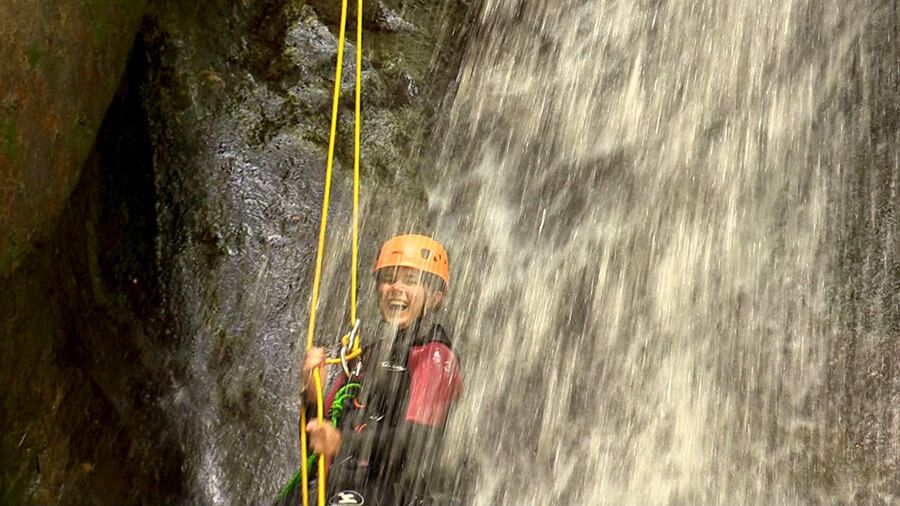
{"x": 356, "y": 349}
{"x": 356, "y": 153}
{"x": 304, "y": 473}
{"x": 350, "y": 356}
{"x": 321, "y": 246}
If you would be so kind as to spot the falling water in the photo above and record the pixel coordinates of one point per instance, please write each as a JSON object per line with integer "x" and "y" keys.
{"x": 642, "y": 200}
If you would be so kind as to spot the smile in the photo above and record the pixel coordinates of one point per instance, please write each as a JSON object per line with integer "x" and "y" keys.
{"x": 397, "y": 306}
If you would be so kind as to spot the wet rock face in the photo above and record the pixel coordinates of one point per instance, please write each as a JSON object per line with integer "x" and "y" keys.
{"x": 239, "y": 101}
{"x": 149, "y": 344}
{"x": 83, "y": 350}
{"x": 62, "y": 64}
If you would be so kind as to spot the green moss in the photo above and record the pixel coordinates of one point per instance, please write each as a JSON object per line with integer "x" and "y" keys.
{"x": 10, "y": 257}
{"x": 101, "y": 32}
{"x": 134, "y": 6}
{"x": 111, "y": 84}
{"x": 34, "y": 54}
{"x": 82, "y": 136}
{"x": 99, "y": 12}
{"x": 94, "y": 264}
{"x": 50, "y": 65}
{"x": 97, "y": 8}
{"x": 13, "y": 477}
{"x": 9, "y": 138}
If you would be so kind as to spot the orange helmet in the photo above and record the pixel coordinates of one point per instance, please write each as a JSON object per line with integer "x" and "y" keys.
{"x": 419, "y": 251}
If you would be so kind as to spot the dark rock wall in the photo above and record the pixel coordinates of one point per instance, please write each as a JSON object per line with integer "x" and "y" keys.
{"x": 83, "y": 348}
{"x": 149, "y": 344}
{"x": 62, "y": 64}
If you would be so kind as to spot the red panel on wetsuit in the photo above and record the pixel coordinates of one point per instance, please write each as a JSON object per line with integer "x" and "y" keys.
{"x": 434, "y": 383}
{"x": 329, "y": 400}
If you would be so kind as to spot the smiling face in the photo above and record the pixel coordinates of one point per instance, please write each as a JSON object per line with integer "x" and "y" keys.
{"x": 403, "y": 295}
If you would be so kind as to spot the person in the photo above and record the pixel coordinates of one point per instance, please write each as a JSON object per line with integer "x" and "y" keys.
{"x": 383, "y": 449}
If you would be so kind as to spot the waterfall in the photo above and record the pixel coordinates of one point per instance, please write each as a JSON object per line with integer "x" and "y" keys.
{"x": 645, "y": 207}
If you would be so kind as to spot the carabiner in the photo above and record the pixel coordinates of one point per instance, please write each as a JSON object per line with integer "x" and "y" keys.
{"x": 353, "y": 335}
{"x": 344, "y": 364}
{"x": 349, "y": 344}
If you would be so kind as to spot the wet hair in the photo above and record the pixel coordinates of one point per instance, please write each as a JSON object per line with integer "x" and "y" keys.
{"x": 434, "y": 283}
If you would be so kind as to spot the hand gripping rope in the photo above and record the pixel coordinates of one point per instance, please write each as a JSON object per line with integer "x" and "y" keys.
{"x": 350, "y": 346}
{"x": 348, "y": 392}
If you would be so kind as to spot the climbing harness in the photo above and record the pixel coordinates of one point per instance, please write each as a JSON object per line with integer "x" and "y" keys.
{"x": 347, "y": 393}
{"x": 350, "y": 346}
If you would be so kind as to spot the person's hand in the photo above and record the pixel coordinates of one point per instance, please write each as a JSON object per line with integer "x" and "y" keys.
{"x": 315, "y": 358}
{"x": 324, "y": 438}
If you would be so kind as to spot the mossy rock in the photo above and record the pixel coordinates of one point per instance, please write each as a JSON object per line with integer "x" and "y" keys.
{"x": 64, "y": 60}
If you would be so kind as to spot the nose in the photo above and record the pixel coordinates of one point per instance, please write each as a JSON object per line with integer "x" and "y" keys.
{"x": 395, "y": 287}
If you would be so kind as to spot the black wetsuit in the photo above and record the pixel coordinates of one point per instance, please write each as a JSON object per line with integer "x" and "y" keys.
{"x": 393, "y": 430}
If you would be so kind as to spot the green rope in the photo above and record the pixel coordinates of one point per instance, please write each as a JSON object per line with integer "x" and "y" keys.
{"x": 347, "y": 392}
{"x": 337, "y": 407}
